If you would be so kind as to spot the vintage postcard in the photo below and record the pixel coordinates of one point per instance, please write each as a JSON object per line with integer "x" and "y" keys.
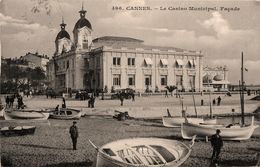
{"x": 128, "y": 83}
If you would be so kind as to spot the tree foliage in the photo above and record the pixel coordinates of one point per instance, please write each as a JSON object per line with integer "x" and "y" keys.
{"x": 16, "y": 77}
{"x": 171, "y": 88}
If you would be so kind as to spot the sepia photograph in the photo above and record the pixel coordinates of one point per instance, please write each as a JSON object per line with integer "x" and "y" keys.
{"x": 129, "y": 83}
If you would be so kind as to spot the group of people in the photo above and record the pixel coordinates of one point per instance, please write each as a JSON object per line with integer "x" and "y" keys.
{"x": 91, "y": 101}
{"x": 9, "y": 101}
{"x": 218, "y": 101}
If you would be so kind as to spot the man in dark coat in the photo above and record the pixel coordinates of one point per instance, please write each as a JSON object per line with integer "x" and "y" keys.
{"x": 219, "y": 100}
{"x": 217, "y": 144}
{"x": 7, "y": 102}
{"x": 11, "y": 101}
{"x": 74, "y": 134}
{"x": 121, "y": 98}
{"x": 63, "y": 102}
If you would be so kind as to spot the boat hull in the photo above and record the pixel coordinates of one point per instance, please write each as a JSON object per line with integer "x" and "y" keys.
{"x": 25, "y": 115}
{"x": 18, "y": 130}
{"x": 210, "y": 121}
{"x": 177, "y": 121}
{"x": 66, "y": 114}
{"x": 176, "y": 148}
{"x": 227, "y": 133}
{"x": 2, "y": 111}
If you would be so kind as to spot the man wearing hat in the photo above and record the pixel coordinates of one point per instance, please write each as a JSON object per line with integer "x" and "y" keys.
{"x": 217, "y": 144}
{"x": 74, "y": 134}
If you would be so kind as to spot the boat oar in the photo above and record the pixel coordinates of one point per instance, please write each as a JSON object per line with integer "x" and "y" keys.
{"x": 193, "y": 141}
{"x": 93, "y": 144}
{"x": 168, "y": 113}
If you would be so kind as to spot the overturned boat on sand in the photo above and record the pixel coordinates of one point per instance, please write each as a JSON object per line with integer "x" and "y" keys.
{"x": 28, "y": 114}
{"x": 65, "y": 113}
{"x": 229, "y": 132}
{"x": 17, "y": 130}
{"x": 140, "y": 152}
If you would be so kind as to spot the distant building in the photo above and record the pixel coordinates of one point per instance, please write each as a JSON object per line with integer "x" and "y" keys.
{"x": 37, "y": 59}
{"x": 119, "y": 62}
{"x": 215, "y": 78}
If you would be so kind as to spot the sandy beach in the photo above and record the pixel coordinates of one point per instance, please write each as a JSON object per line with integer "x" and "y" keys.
{"x": 51, "y": 144}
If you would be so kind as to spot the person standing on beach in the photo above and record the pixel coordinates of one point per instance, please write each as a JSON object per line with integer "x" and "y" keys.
{"x": 7, "y": 102}
{"x": 121, "y": 98}
{"x": 217, "y": 144}
{"x": 166, "y": 93}
{"x": 219, "y": 100}
{"x": 63, "y": 102}
{"x": 11, "y": 101}
{"x": 74, "y": 134}
{"x": 214, "y": 102}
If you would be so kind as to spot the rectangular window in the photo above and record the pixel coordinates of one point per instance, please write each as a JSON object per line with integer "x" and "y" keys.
{"x": 86, "y": 62}
{"x": 131, "y": 80}
{"x": 63, "y": 64}
{"x": 116, "y": 79}
{"x": 85, "y": 44}
{"x": 192, "y": 81}
{"x": 179, "y": 80}
{"x": 98, "y": 79}
{"x": 164, "y": 80}
{"x": 148, "y": 80}
{"x": 73, "y": 78}
{"x": 131, "y": 61}
{"x": 98, "y": 62}
{"x": 68, "y": 64}
{"x": 116, "y": 61}
{"x": 72, "y": 63}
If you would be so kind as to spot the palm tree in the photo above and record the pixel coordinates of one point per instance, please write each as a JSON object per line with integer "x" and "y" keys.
{"x": 171, "y": 88}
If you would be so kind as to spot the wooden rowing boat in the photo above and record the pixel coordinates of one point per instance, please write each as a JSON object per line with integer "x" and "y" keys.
{"x": 177, "y": 121}
{"x": 17, "y": 130}
{"x": 28, "y": 114}
{"x": 140, "y": 152}
{"x": 230, "y": 132}
{"x": 65, "y": 114}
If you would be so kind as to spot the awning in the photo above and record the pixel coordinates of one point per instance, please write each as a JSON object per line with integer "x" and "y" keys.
{"x": 223, "y": 82}
{"x": 148, "y": 61}
{"x": 164, "y": 62}
{"x": 191, "y": 62}
{"x": 179, "y": 62}
{"x": 194, "y": 62}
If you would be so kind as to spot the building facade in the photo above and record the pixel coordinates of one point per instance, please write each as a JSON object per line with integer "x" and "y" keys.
{"x": 37, "y": 59}
{"x": 119, "y": 62}
{"x": 215, "y": 78}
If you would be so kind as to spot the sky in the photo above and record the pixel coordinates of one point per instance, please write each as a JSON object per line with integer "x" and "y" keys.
{"x": 221, "y": 35}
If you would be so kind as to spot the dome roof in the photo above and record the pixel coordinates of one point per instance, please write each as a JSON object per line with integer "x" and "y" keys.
{"x": 82, "y": 22}
{"x": 218, "y": 78}
{"x": 62, "y": 34}
{"x": 207, "y": 78}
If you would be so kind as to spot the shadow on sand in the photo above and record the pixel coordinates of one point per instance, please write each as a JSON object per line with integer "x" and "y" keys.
{"x": 41, "y": 146}
{"x": 87, "y": 163}
{"x": 257, "y": 149}
{"x": 237, "y": 162}
{"x": 171, "y": 137}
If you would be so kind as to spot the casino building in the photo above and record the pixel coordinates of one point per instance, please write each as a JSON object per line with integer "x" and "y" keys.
{"x": 112, "y": 62}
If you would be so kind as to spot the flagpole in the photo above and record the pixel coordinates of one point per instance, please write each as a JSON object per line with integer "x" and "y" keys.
{"x": 242, "y": 90}
{"x": 67, "y": 81}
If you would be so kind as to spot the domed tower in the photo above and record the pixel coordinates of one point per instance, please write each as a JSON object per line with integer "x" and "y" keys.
{"x": 82, "y": 32}
{"x": 62, "y": 41}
